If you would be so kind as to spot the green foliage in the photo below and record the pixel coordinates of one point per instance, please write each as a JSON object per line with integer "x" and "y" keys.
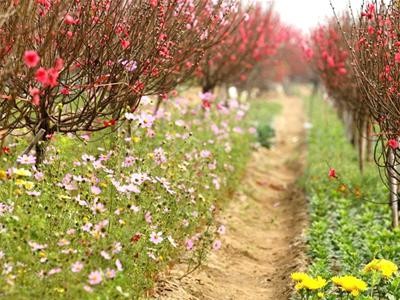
{"x": 265, "y": 134}
{"x": 349, "y": 216}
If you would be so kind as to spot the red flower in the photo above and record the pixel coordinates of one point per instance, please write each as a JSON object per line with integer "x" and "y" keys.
{"x": 6, "y": 150}
{"x": 109, "y": 123}
{"x": 397, "y": 57}
{"x": 206, "y": 104}
{"x": 332, "y": 173}
{"x": 52, "y": 80}
{"x": 42, "y": 76}
{"x": 394, "y": 144}
{"x": 31, "y": 58}
{"x": 125, "y": 44}
{"x": 136, "y": 237}
{"x": 153, "y": 3}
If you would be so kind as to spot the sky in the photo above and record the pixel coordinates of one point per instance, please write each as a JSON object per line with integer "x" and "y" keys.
{"x": 306, "y": 14}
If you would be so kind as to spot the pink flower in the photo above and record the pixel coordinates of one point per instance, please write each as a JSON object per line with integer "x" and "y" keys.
{"x": 118, "y": 264}
{"x": 110, "y": 273}
{"x": 217, "y": 245}
{"x": 105, "y": 255}
{"x": 393, "y": 143}
{"x": 31, "y": 58}
{"x": 95, "y": 190}
{"x": 95, "y": 278}
{"x": 221, "y": 229}
{"x": 54, "y": 271}
{"x": 156, "y": 238}
{"x": 189, "y": 244}
{"x": 26, "y": 159}
{"x": 35, "y": 93}
{"x": 69, "y": 20}
{"x": 77, "y": 267}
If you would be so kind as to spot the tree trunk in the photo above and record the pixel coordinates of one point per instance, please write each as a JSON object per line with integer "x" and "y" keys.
{"x": 158, "y": 105}
{"x": 361, "y": 145}
{"x": 391, "y": 165}
{"x": 370, "y": 142}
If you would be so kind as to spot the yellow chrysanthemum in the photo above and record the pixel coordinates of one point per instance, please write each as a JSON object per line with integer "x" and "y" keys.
{"x": 386, "y": 267}
{"x": 314, "y": 283}
{"x": 305, "y": 281}
{"x": 350, "y": 284}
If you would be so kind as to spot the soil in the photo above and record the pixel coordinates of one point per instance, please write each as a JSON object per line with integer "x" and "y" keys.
{"x": 265, "y": 225}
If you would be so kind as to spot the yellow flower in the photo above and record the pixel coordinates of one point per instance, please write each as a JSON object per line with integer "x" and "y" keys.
{"x": 3, "y": 175}
{"x": 29, "y": 185}
{"x": 305, "y": 281}
{"x": 136, "y": 139}
{"x": 386, "y": 267}
{"x": 314, "y": 283}
{"x": 22, "y": 172}
{"x": 350, "y": 284}
{"x": 20, "y": 182}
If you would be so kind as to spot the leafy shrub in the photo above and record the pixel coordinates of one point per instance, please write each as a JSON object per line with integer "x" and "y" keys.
{"x": 265, "y": 134}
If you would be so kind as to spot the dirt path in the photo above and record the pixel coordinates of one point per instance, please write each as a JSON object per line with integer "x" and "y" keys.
{"x": 265, "y": 221}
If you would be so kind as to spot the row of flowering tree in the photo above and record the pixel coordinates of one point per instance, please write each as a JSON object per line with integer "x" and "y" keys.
{"x": 81, "y": 65}
{"x": 331, "y": 60}
{"x": 361, "y": 69}
{"x": 72, "y": 66}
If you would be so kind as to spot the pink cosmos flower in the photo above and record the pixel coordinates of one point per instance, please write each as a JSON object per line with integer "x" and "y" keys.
{"x": 159, "y": 156}
{"x": 77, "y": 267}
{"x": 88, "y": 289}
{"x": 217, "y": 245}
{"x": 205, "y": 154}
{"x": 148, "y": 217}
{"x": 95, "y": 278}
{"x": 26, "y": 159}
{"x": 221, "y": 230}
{"x": 31, "y": 58}
{"x": 95, "y": 190}
{"x": 110, "y": 273}
{"x": 156, "y": 238}
{"x": 118, "y": 264}
{"x": 54, "y": 271}
{"x": 129, "y": 161}
{"x": 189, "y": 244}
{"x": 105, "y": 255}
